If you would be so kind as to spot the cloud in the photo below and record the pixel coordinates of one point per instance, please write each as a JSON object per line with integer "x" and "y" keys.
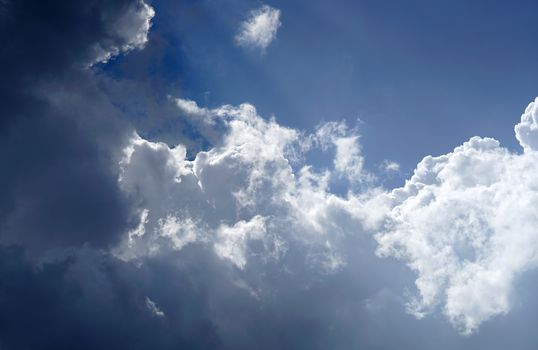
{"x": 65, "y": 194}
{"x": 90, "y": 300}
{"x": 128, "y": 32}
{"x": 247, "y": 197}
{"x": 153, "y": 308}
{"x": 109, "y": 239}
{"x": 259, "y": 30}
{"x": 527, "y": 129}
{"x": 390, "y": 166}
{"x": 228, "y": 236}
{"x": 348, "y": 160}
{"x": 466, "y": 223}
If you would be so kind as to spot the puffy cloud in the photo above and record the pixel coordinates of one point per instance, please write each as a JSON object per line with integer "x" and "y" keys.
{"x": 232, "y": 241}
{"x": 259, "y": 30}
{"x": 466, "y": 223}
{"x": 250, "y": 196}
{"x": 65, "y": 195}
{"x": 527, "y": 129}
{"x": 40, "y": 41}
{"x": 129, "y": 31}
{"x": 348, "y": 160}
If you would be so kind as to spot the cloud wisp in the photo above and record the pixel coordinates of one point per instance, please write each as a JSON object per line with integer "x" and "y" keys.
{"x": 259, "y": 30}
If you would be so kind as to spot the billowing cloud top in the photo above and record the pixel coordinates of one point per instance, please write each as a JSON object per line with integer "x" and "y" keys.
{"x": 243, "y": 190}
{"x": 130, "y": 30}
{"x": 466, "y": 223}
{"x": 259, "y": 30}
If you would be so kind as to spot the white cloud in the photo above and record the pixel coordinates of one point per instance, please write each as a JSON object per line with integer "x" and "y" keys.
{"x": 131, "y": 29}
{"x": 179, "y": 232}
{"x": 153, "y": 308}
{"x": 527, "y": 129}
{"x": 190, "y": 107}
{"x": 348, "y": 159}
{"x": 232, "y": 240}
{"x": 140, "y": 230}
{"x": 260, "y": 29}
{"x": 243, "y": 197}
{"x": 390, "y": 166}
{"x": 466, "y": 223}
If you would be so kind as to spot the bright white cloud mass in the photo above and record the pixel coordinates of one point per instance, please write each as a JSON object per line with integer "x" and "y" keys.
{"x": 251, "y": 187}
{"x": 260, "y": 29}
{"x": 464, "y": 222}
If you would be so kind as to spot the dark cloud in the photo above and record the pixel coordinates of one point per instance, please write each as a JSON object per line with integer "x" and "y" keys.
{"x": 45, "y": 38}
{"x": 58, "y": 132}
{"x": 59, "y": 183}
{"x": 92, "y": 301}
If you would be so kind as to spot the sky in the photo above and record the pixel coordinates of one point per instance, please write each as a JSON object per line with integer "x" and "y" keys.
{"x": 240, "y": 174}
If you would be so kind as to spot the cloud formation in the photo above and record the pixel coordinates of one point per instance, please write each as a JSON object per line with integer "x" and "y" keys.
{"x": 129, "y": 31}
{"x": 249, "y": 196}
{"x": 466, "y": 223}
{"x": 260, "y": 29}
{"x": 66, "y": 194}
{"x": 228, "y": 236}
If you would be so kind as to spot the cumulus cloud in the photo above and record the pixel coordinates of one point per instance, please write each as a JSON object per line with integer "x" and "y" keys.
{"x": 66, "y": 194}
{"x": 527, "y": 129}
{"x": 128, "y": 32}
{"x": 249, "y": 197}
{"x": 260, "y": 29}
{"x": 466, "y": 223}
{"x": 348, "y": 160}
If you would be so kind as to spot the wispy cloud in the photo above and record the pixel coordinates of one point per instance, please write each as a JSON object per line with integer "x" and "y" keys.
{"x": 260, "y": 29}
